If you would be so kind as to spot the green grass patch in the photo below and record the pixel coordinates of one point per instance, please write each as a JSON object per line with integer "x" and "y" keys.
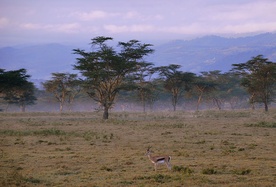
{"x": 209, "y": 171}
{"x": 263, "y": 124}
{"x": 48, "y": 132}
{"x": 158, "y": 178}
{"x": 161, "y": 178}
{"x": 242, "y": 171}
{"x": 44, "y": 132}
{"x": 91, "y": 135}
{"x": 181, "y": 169}
{"x": 32, "y": 180}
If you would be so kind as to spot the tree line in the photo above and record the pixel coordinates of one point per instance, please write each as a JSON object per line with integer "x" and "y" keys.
{"x": 108, "y": 72}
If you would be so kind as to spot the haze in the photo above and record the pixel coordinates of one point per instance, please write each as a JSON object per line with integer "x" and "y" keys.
{"x": 70, "y": 21}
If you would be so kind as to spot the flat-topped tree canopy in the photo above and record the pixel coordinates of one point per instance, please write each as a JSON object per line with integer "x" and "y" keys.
{"x": 105, "y": 69}
{"x": 259, "y": 79}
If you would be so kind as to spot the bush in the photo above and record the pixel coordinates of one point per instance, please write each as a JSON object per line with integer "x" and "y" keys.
{"x": 106, "y": 168}
{"x": 262, "y": 124}
{"x": 161, "y": 178}
{"x": 242, "y": 171}
{"x": 185, "y": 170}
{"x": 209, "y": 171}
{"x": 156, "y": 178}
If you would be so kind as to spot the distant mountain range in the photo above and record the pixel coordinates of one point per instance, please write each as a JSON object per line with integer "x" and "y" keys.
{"x": 196, "y": 55}
{"x": 214, "y": 52}
{"x": 39, "y": 60}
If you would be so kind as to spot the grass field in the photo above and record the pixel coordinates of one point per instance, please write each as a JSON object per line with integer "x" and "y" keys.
{"x": 208, "y": 148}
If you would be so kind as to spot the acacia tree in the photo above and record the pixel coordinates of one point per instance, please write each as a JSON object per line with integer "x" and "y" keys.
{"x": 139, "y": 80}
{"x": 154, "y": 90}
{"x": 73, "y": 88}
{"x": 259, "y": 79}
{"x": 63, "y": 86}
{"x": 22, "y": 96}
{"x": 106, "y": 69}
{"x": 143, "y": 82}
{"x": 231, "y": 90}
{"x": 217, "y": 94}
{"x": 226, "y": 87}
{"x": 175, "y": 81}
{"x": 16, "y": 89}
{"x": 10, "y": 79}
{"x": 202, "y": 86}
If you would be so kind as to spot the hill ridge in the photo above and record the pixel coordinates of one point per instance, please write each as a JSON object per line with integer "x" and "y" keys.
{"x": 205, "y": 53}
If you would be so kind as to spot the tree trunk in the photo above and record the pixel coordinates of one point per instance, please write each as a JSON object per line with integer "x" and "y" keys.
{"x": 70, "y": 103}
{"x": 105, "y": 114}
{"x": 198, "y": 102}
{"x": 143, "y": 103}
{"x": 7, "y": 107}
{"x": 174, "y": 102}
{"x": 144, "y": 107}
{"x": 266, "y": 106}
{"x": 217, "y": 103}
{"x": 174, "y": 107}
{"x": 252, "y": 102}
{"x": 60, "y": 107}
{"x": 142, "y": 96}
{"x": 252, "y": 106}
{"x": 266, "y": 100}
{"x": 22, "y": 108}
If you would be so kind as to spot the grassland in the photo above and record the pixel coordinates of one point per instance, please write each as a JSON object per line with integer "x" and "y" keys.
{"x": 208, "y": 148}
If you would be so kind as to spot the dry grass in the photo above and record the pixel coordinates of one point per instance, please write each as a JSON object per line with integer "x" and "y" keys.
{"x": 209, "y": 148}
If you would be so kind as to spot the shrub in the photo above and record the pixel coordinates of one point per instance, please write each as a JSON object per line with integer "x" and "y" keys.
{"x": 161, "y": 178}
{"x": 262, "y": 124}
{"x": 44, "y": 132}
{"x": 185, "y": 170}
{"x": 157, "y": 178}
{"x": 242, "y": 171}
{"x": 209, "y": 171}
{"x": 47, "y": 132}
{"x": 106, "y": 168}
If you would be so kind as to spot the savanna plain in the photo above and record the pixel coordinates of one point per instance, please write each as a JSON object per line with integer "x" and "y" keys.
{"x": 208, "y": 148}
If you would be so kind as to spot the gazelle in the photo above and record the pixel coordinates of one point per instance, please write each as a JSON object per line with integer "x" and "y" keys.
{"x": 159, "y": 159}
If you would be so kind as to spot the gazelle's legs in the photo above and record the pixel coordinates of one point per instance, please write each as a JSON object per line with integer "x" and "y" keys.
{"x": 168, "y": 165}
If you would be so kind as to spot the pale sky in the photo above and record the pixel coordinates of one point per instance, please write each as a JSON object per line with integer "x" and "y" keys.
{"x": 70, "y": 21}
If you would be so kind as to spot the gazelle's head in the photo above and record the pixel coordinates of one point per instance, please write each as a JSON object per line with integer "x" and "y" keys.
{"x": 148, "y": 151}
